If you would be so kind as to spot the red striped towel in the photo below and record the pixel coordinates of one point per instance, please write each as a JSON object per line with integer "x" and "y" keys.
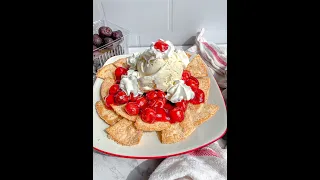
{"x": 214, "y": 56}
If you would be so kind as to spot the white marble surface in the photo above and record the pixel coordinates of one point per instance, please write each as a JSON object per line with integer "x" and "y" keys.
{"x": 115, "y": 168}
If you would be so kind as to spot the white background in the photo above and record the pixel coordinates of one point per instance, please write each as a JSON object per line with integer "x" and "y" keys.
{"x": 174, "y": 20}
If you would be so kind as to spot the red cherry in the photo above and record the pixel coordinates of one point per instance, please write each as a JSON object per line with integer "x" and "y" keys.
{"x": 151, "y": 95}
{"x": 176, "y": 115}
{"x": 151, "y": 103}
{"x": 132, "y": 98}
{"x": 148, "y": 115}
{"x": 121, "y": 98}
{"x": 114, "y": 89}
{"x": 141, "y": 101}
{"x": 161, "y": 46}
{"x": 161, "y": 94}
{"x": 194, "y": 84}
{"x": 199, "y": 97}
{"x": 117, "y": 81}
{"x": 195, "y": 79}
{"x": 109, "y": 100}
{"x": 185, "y": 75}
{"x": 157, "y": 102}
{"x": 142, "y": 109}
{"x": 132, "y": 108}
{"x": 182, "y": 105}
{"x": 168, "y": 106}
{"x": 161, "y": 114}
{"x": 119, "y": 72}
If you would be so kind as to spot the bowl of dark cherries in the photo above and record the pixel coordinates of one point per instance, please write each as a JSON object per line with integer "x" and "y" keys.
{"x": 106, "y": 39}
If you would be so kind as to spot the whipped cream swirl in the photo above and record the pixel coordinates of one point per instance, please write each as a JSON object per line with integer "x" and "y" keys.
{"x": 129, "y": 83}
{"x": 179, "y": 91}
{"x": 132, "y": 61}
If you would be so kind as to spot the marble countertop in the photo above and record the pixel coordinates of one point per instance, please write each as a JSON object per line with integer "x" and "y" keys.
{"x": 115, "y": 168}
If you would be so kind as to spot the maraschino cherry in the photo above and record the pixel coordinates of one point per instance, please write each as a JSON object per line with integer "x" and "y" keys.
{"x": 161, "y": 46}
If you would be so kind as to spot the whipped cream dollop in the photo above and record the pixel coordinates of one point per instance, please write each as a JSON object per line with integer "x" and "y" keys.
{"x": 129, "y": 83}
{"x": 179, "y": 91}
{"x": 132, "y": 61}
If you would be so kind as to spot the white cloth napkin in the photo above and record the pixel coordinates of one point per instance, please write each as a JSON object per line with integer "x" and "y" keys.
{"x": 208, "y": 163}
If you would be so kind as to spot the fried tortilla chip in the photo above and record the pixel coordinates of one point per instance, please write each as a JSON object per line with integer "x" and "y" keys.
{"x": 109, "y": 116}
{"x": 106, "y": 72}
{"x": 207, "y": 111}
{"x": 197, "y": 67}
{"x": 188, "y": 54}
{"x": 178, "y": 131}
{"x": 124, "y": 133}
{"x": 119, "y": 109}
{"x": 105, "y": 86}
{"x": 157, "y": 126}
{"x": 121, "y": 63}
{"x": 196, "y": 108}
{"x": 173, "y": 134}
{"x": 204, "y": 85}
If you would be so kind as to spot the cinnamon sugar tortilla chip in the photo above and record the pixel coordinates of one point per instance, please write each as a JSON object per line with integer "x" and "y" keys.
{"x": 196, "y": 108}
{"x": 109, "y": 116}
{"x": 178, "y": 131}
{"x": 188, "y": 54}
{"x": 124, "y": 133}
{"x": 204, "y": 85}
{"x": 106, "y": 72}
{"x": 121, "y": 63}
{"x": 207, "y": 111}
{"x": 197, "y": 67}
{"x": 119, "y": 109}
{"x": 105, "y": 86}
{"x": 157, "y": 126}
{"x": 173, "y": 134}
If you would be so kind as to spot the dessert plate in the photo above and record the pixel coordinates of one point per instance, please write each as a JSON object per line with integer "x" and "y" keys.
{"x": 150, "y": 147}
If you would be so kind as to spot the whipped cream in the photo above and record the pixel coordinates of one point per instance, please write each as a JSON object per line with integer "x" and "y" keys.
{"x": 132, "y": 61}
{"x": 179, "y": 91}
{"x": 129, "y": 83}
{"x": 152, "y": 53}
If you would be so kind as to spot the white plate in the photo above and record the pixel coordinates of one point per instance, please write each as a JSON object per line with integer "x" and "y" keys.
{"x": 150, "y": 147}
